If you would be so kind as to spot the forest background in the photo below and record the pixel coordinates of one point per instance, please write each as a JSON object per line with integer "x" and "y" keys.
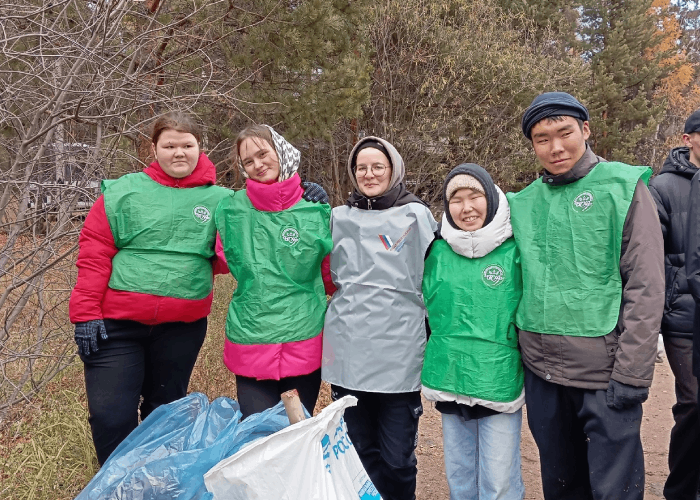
{"x": 446, "y": 81}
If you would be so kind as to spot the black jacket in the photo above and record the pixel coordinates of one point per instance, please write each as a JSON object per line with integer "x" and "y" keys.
{"x": 398, "y": 196}
{"x": 671, "y": 192}
{"x": 692, "y": 262}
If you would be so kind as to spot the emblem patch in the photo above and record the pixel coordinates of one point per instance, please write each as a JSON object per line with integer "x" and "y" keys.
{"x": 394, "y": 246}
{"x": 583, "y": 201}
{"x": 493, "y": 275}
{"x": 290, "y": 236}
{"x": 201, "y": 214}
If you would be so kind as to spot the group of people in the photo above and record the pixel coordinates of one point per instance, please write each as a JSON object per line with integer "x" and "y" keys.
{"x": 551, "y": 297}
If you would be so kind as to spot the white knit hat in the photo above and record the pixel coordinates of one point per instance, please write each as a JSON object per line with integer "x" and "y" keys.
{"x": 462, "y": 181}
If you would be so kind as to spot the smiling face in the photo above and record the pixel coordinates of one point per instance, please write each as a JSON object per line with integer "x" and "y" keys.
{"x": 468, "y": 209}
{"x": 559, "y": 144}
{"x": 176, "y": 152}
{"x": 373, "y": 172}
{"x": 259, "y": 160}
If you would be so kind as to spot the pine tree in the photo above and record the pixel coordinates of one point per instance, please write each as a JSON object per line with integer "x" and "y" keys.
{"x": 620, "y": 40}
{"x": 449, "y": 88}
{"x": 310, "y": 67}
{"x": 552, "y": 21}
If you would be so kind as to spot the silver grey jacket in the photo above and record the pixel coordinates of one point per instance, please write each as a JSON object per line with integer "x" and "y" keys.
{"x": 374, "y": 335}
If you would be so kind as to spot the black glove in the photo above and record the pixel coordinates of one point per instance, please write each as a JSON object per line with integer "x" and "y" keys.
{"x": 314, "y": 193}
{"x": 86, "y": 336}
{"x": 622, "y": 396}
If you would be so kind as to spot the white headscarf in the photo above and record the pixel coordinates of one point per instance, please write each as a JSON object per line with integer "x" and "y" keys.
{"x": 288, "y": 156}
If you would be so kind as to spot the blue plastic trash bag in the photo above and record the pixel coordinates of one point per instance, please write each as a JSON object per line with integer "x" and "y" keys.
{"x": 167, "y": 455}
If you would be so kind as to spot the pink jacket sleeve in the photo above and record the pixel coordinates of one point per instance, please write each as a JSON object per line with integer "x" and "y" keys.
{"x": 326, "y": 274}
{"x": 219, "y": 263}
{"x": 95, "y": 254}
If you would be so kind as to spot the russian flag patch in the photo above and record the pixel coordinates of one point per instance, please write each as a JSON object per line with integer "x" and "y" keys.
{"x": 386, "y": 241}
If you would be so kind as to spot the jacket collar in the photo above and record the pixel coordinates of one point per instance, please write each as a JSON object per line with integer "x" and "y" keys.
{"x": 203, "y": 174}
{"x": 678, "y": 162}
{"x": 397, "y": 196}
{"x": 276, "y": 196}
{"x": 580, "y": 169}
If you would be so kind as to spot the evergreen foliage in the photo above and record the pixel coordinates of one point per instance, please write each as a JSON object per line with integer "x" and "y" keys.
{"x": 619, "y": 38}
{"x": 308, "y": 66}
{"x": 553, "y": 21}
{"x": 450, "y": 88}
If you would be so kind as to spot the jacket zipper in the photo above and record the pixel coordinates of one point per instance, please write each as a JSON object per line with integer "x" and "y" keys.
{"x": 369, "y": 204}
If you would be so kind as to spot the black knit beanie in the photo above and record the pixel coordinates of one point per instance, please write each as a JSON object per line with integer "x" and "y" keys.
{"x": 484, "y": 178}
{"x": 552, "y": 104}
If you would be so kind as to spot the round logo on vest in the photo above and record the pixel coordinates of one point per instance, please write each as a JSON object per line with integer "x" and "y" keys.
{"x": 290, "y": 236}
{"x": 493, "y": 275}
{"x": 201, "y": 214}
{"x": 583, "y": 201}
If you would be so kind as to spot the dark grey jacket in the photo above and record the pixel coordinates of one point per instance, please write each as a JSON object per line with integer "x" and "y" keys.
{"x": 671, "y": 192}
{"x": 626, "y": 354}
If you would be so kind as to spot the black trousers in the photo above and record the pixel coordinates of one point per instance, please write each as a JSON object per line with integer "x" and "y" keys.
{"x": 154, "y": 362}
{"x": 256, "y": 395}
{"x": 587, "y": 450}
{"x": 384, "y": 430}
{"x": 684, "y": 449}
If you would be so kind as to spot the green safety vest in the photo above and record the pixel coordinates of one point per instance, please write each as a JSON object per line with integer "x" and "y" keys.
{"x": 570, "y": 239}
{"x": 276, "y": 259}
{"x": 165, "y": 236}
{"x": 473, "y": 345}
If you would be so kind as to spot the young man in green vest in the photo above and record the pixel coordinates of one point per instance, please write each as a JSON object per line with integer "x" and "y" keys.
{"x": 593, "y": 296}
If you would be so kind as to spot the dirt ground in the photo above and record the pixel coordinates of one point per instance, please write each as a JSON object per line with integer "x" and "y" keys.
{"x": 656, "y": 430}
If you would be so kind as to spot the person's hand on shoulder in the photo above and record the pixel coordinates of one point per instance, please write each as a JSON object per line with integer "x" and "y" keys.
{"x": 314, "y": 193}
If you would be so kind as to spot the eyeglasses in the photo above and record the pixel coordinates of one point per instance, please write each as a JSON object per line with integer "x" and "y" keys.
{"x": 378, "y": 170}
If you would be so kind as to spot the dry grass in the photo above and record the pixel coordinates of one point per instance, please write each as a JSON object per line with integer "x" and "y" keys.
{"x": 210, "y": 376}
{"x": 35, "y": 314}
{"x": 46, "y": 450}
{"x": 47, "y": 453}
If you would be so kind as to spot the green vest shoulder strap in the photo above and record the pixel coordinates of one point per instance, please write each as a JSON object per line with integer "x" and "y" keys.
{"x": 473, "y": 347}
{"x": 165, "y": 236}
{"x": 276, "y": 260}
{"x": 106, "y": 183}
{"x": 570, "y": 239}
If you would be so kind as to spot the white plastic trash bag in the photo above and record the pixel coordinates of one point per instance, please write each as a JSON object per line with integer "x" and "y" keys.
{"x": 311, "y": 460}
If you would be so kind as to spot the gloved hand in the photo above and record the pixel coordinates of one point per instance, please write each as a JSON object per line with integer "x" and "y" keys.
{"x": 314, "y": 193}
{"x": 621, "y": 395}
{"x": 86, "y": 336}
